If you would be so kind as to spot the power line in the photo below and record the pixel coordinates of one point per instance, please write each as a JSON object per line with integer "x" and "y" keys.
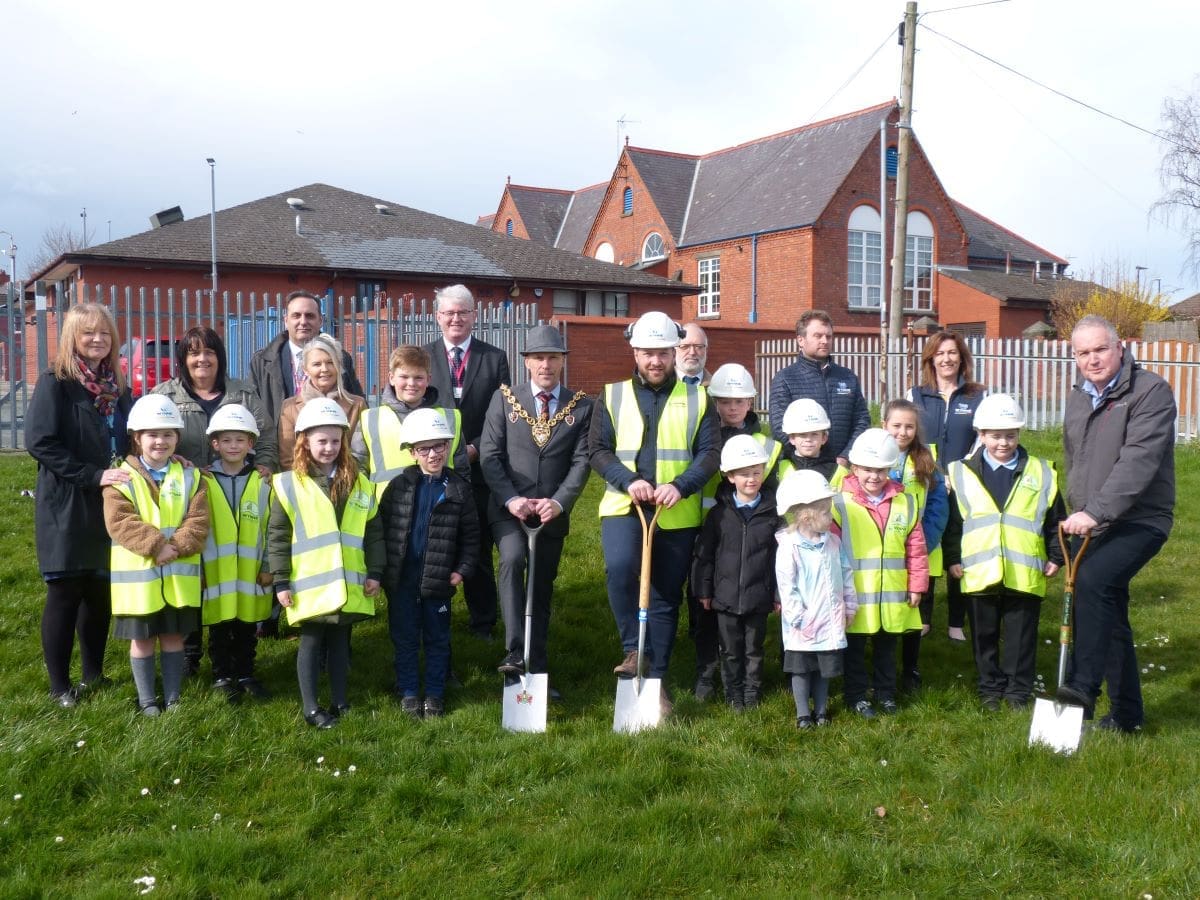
{"x": 1154, "y": 134}
{"x": 866, "y": 62}
{"x": 954, "y": 8}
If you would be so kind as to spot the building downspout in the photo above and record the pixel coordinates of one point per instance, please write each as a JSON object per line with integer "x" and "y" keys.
{"x": 754, "y": 278}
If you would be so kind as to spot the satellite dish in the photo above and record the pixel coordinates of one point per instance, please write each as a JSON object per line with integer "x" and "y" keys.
{"x": 295, "y": 202}
{"x": 381, "y": 208}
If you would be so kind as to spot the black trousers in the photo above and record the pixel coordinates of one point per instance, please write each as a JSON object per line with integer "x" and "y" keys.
{"x": 514, "y": 561}
{"x": 1103, "y": 637}
{"x": 702, "y": 629}
{"x": 480, "y": 589}
{"x": 855, "y": 679}
{"x": 956, "y": 605}
{"x": 231, "y": 647}
{"x": 75, "y": 606}
{"x": 742, "y": 638}
{"x": 910, "y": 641}
{"x": 1011, "y": 617}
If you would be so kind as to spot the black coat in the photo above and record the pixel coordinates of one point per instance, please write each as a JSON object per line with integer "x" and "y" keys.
{"x": 486, "y": 370}
{"x": 734, "y": 560}
{"x": 453, "y": 540}
{"x": 71, "y": 443}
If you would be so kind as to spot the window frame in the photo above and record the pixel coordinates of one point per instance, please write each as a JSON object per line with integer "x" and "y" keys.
{"x": 662, "y": 244}
{"x": 708, "y": 301}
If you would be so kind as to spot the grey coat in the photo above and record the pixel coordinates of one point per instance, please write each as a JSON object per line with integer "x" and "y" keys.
{"x": 1121, "y": 455}
{"x": 273, "y": 382}
{"x": 514, "y": 466}
{"x": 194, "y": 444}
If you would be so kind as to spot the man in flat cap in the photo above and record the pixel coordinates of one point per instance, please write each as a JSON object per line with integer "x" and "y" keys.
{"x": 534, "y": 456}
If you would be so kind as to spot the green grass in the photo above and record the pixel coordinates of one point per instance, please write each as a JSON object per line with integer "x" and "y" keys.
{"x": 709, "y": 803}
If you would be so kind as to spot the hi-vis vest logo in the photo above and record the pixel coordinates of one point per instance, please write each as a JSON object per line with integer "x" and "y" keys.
{"x": 171, "y": 488}
{"x": 963, "y": 409}
{"x": 250, "y": 508}
{"x": 360, "y": 500}
{"x": 843, "y": 388}
{"x": 1029, "y": 481}
{"x": 898, "y": 521}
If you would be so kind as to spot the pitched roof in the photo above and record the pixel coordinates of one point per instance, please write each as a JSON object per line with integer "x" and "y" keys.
{"x": 1016, "y": 286}
{"x": 541, "y": 209}
{"x": 1188, "y": 308}
{"x": 581, "y": 212}
{"x": 990, "y": 240}
{"x": 782, "y": 181}
{"x": 344, "y": 230}
{"x": 486, "y": 221}
{"x": 668, "y": 177}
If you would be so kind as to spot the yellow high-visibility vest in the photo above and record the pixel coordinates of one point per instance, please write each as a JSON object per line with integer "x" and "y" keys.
{"x": 234, "y": 553}
{"x": 1004, "y": 546}
{"x": 918, "y": 491}
{"x": 385, "y": 457}
{"x": 139, "y": 585}
{"x": 677, "y": 429}
{"x": 773, "y": 447}
{"x": 878, "y": 560}
{"x": 329, "y": 567}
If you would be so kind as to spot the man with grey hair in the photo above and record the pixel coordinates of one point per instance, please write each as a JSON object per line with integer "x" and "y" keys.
{"x": 691, "y": 356}
{"x": 1119, "y": 442}
{"x": 467, "y": 372}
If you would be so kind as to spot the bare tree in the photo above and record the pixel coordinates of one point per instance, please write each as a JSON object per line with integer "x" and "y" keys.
{"x": 1180, "y": 169}
{"x": 1111, "y": 292}
{"x": 57, "y": 240}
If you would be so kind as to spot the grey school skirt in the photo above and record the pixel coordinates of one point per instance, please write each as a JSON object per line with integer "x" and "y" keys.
{"x": 801, "y": 662}
{"x": 168, "y": 620}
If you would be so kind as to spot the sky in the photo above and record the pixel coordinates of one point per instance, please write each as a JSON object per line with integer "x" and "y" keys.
{"x": 114, "y": 107}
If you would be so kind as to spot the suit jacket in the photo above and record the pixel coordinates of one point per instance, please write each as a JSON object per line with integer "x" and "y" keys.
{"x": 273, "y": 381}
{"x": 514, "y": 466}
{"x": 487, "y": 369}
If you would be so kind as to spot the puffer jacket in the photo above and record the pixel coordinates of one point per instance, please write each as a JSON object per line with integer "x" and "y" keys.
{"x": 1121, "y": 455}
{"x": 452, "y": 544}
{"x": 194, "y": 444}
{"x": 734, "y": 559}
{"x": 836, "y": 388}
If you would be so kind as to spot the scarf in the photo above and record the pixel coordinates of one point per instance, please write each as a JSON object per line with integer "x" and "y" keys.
{"x": 101, "y": 384}
{"x": 311, "y": 392}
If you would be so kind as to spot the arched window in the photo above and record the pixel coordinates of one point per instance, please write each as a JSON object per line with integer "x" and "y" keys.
{"x": 864, "y": 259}
{"x": 918, "y": 263}
{"x": 508, "y": 227}
{"x": 605, "y": 252}
{"x": 653, "y": 247}
{"x": 627, "y": 202}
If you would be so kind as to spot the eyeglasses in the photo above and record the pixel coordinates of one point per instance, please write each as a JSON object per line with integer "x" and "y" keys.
{"x": 431, "y": 449}
{"x": 457, "y": 314}
{"x": 693, "y": 346}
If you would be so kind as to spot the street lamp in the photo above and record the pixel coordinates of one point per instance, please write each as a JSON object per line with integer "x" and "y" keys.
{"x": 1137, "y": 276}
{"x": 12, "y": 254}
{"x": 212, "y": 224}
{"x": 83, "y": 215}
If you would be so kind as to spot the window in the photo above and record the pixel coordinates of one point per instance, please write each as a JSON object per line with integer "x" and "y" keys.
{"x": 918, "y": 264}
{"x": 508, "y": 227}
{"x": 591, "y": 303}
{"x": 605, "y": 252}
{"x": 709, "y": 279}
{"x": 367, "y": 294}
{"x": 864, "y": 259}
{"x": 653, "y": 247}
{"x": 892, "y": 161}
{"x": 627, "y": 202}
{"x": 616, "y": 304}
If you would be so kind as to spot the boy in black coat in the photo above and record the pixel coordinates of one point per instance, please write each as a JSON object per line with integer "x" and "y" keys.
{"x": 733, "y": 570}
{"x": 431, "y": 531}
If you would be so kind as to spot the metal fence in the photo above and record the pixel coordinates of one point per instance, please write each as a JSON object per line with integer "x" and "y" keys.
{"x": 151, "y": 320}
{"x": 1039, "y": 374}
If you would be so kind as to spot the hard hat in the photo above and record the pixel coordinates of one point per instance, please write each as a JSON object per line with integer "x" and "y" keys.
{"x": 874, "y": 449}
{"x": 654, "y": 331}
{"x": 801, "y": 486}
{"x": 732, "y": 380}
{"x": 154, "y": 412}
{"x": 804, "y": 416}
{"x": 320, "y": 411}
{"x": 232, "y": 417}
{"x": 999, "y": 412}
{"x": 425, "y": 425}
{"x": 741, "y": 451}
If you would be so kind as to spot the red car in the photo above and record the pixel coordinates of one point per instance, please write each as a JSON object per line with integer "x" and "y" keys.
{"x": 146, "y": 363}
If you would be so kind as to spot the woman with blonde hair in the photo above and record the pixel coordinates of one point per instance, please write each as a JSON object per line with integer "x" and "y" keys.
{"x": 75, "y": 430}
{"x": 321, "y": 362}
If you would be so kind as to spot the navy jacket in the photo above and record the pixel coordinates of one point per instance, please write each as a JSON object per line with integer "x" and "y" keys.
{"x": 836, "y": 388}
{"x": 953, "y": 431}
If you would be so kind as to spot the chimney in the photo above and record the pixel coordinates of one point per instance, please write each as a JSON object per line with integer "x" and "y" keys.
{"x": 1037, "y": 270}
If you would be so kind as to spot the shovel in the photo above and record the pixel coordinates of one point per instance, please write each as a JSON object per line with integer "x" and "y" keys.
{"x": 1059, "y": 725}
{"x": 638, "y": 699}
{"x": 525, "y": 697}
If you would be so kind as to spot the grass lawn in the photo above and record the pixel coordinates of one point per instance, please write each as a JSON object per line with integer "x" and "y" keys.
{"x": 942, "y": 799}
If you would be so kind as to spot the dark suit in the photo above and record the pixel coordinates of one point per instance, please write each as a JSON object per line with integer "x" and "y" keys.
{"x": 273, "y": 380}
{"x": 514, "y": 466}
{"x": 486, "y": 369}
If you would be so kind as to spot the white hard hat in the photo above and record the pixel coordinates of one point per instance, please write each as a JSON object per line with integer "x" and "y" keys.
{"x": 732, "y": 380}
{"x": 318, "y": 412}
{"x": 232, "y": 417}
{"x": 154, "y": 412}
{"x": 999, "y": 412}
{"x": 425, "y": 425}
{"x": 805, "y": 416}
{"x": 874, "y": 449}
{"x": 654, "y": 331}
{"x": 741, "y": 451}
{"x": 801, "y": 486}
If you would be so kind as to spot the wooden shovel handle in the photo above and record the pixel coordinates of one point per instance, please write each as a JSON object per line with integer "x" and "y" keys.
{"x": 1071, "y": 564}
{"x": 647, "y": 542}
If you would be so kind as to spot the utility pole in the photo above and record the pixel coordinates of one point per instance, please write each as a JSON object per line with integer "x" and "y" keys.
{"x": 212, "y": 226}
{"x": 908, "y": 38}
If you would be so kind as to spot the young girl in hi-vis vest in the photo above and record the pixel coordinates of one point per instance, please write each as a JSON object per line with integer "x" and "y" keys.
{"x": 158, "y": 521}
{"x": 325, "y": 551}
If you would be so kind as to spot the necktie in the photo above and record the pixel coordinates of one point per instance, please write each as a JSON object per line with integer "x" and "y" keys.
{"x": 299, "y": 376}
{"x": 456, "y": 366}
{"x": 691, "y": 379}
{"x": 544, "y": 398}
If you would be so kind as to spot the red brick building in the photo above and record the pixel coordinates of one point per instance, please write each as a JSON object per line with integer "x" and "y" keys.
{"x": 786, "y": 223}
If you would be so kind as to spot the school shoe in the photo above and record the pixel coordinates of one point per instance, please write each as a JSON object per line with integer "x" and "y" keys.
{"x": 434, "y": 708}
{"x": 704, "y": 690}
{"x": 65, "y": 699}
{"x": 252, "y": 686}
{"x": 229, "y": 687}
{"x": 822, "y": 719}
{"x": 910, "y": 681}
{"x": 513, "y": 664}
{"x": 889, "y": 707}
{"x": 337, "y": 710}
{"x": 628, "y": 667}
{"x": 864, "y": 709}
{"x": 990, "y": 704}
{"x": 99, "y": 683}
{"x": 804, "y": 723}
{"x": 1108, "y": 723}
{"x": 411, "y": 706}
{"x": 150, "y": 710}
{"x": 319, "y": 718}
{"x": 750, "y": 699}
{"x": 1018, "y": 703}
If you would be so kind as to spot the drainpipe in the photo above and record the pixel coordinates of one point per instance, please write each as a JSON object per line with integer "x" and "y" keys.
{"x": 754, "y": 278}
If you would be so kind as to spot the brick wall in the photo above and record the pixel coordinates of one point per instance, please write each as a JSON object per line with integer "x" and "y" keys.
{"x": 627, "y": 233}
{"x": 508, "y": 210}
